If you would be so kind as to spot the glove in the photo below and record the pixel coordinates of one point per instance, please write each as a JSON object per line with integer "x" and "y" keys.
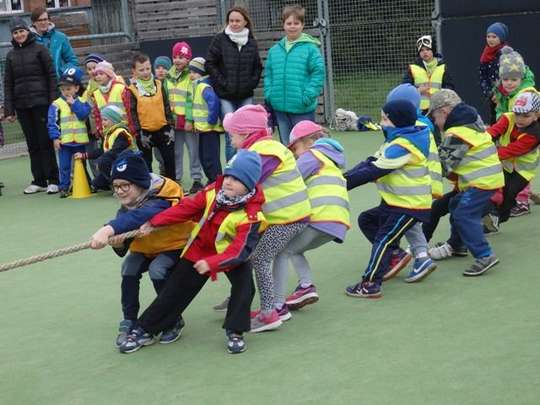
{"x": 170, "y": 134}
{"x": 145, "y": 140}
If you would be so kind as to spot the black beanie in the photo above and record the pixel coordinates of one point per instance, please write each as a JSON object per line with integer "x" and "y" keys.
{"x": 17, "y": 23}
{"x": 401, "y": 112}
{"x": 131, "y": 167}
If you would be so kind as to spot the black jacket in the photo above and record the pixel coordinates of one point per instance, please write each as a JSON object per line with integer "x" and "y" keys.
{"x": 447, "y": 82}
{"x": 233, "y": 74}
{"x": 29, "y": 77}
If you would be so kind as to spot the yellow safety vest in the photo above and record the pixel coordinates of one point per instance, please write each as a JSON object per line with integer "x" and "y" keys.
{"x": 150, "y": 109}
{"x": 410, "y": 186}
{"x": 421, "y": 76}
{"x": 327, "y": 191}
{"x": 114, "y": 97}
{"x": 72, "y": 129}
{"x": 526, "y": 164}
{"x": 434, "y": 165}
{"x": 480, "y": 167}
{"x": 166, "y": 238}
{"x": 513, "y": 99}
{"x": 200, "y": 110}
{"x": 111, "y": 137}
{"x": 177, "y": 92}
{"x": 286, "y": 197}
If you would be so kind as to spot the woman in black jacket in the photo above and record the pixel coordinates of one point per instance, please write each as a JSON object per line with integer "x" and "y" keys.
{"x": 234, "y": 65}
{"x": 29, "y": 89}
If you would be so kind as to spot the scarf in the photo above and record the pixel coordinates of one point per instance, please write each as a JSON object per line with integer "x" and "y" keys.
{"x": 105, "y": 89}
{"x": 146, "y": 88}
{"x": 233, "y": 203}
{"x": 239, "y": 38}
{"x": 430, "y": 66}
{"x": 490, "y": 53}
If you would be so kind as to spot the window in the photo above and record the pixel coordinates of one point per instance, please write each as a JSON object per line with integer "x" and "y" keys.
{"x": 58, "y": 3}
{"x": 10, "y": 5}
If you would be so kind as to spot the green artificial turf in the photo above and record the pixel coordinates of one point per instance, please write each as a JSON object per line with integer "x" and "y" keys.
{"x": 447, "y": 340}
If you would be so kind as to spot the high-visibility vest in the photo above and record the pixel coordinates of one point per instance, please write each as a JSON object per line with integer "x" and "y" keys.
{"x": 327, "y": 191}
{"x": 526, "y": 164}
{"x": 480, "y": 167}
{"x": 409, "y": 186}
{"x": 434, "y": 165}
{"x": 200, "y": 110}
{"x": 166, "y": 238}
{"x": 421, "y": 76}
{"x": 72, "y": 129}
{"x": 112, "y": 135}
{"x": 150, "y": 109}
{"x": 113, "y": 97}
{"x": 286, "y": 197}
{"x": 177, "y": 91}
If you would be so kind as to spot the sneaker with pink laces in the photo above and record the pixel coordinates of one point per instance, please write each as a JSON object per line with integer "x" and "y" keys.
{"x": 302, "y": 297}
{"x": 265, "y": 321}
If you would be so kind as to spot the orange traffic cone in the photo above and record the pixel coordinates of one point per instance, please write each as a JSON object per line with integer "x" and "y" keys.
{"x": 81, "y": 188}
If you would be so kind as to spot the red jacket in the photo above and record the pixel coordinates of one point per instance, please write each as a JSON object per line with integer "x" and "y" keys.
{"x": 521, "y": 142}
{"x": 203, "y": 247}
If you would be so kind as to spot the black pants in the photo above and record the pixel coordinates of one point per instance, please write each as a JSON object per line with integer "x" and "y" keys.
{"x": 209, "y": 154}
{"x": 439, "y": 208}
{"x": 40, "y": 148}
{"x": 513, "y": 184}
{"x": 160, "y": 140}
{"x": 184, "y": 283}
{"x": 102, "y": 181}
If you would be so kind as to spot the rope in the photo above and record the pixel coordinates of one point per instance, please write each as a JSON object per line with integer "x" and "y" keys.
{"x": 63, "y": 251}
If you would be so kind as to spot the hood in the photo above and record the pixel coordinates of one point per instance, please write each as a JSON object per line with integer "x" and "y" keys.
{"x": 425, "y": 120}
{"x": 304, "y": 38}
{"x": 31, "y": 38}
{"x": 418, "y": 136}
{"x": 332, "y": 149}
{"x": 50, "y": 30}
{"x": 464, "y": 115}
{"x": 533, "y": 129}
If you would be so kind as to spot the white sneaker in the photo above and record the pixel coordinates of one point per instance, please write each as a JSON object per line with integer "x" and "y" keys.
{"x": 441, "y": 252}
{"x": 33, "y": 189}
{"x": 52, "y": 189}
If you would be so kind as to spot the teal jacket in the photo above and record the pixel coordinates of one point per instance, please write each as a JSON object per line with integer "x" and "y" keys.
{"x": 293, "y": 80}
{"x": 59, "y": 47}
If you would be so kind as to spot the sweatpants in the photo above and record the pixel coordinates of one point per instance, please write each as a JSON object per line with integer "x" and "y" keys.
{"x": 273, "y": 241}
{"x": 209, "y": 153}
{"x": 161, "y": 141}
{"x": 65, "y": 157}
{"x": 191, "y": 141}
{"x": 417, "y": 240}
{"x": 308, "y": 239}
{"x": 184, "y": 283}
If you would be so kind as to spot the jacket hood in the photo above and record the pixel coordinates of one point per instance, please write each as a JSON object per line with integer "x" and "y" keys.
{"x": 31, "y": 38}
{"x": 418, "y": 136}
{"x": 50, "y": 29}
{"x": 464, "y": 115}
{"x": 331, "y": 151}
{"x": 304, "y": 38}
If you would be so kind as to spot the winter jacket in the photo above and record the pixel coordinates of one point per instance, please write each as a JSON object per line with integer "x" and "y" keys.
{"x": 503, "y": 98}
{"x": 294, "y": 80}
{"x": 29, "y": 78}
{"x": 80, "y": 108}
{"x": 58, "y": 45}
{"x": 489, "y": 75}
{"x": 234, "y": 74}
{"x": 447, "y": 82}
{"x": 522, "y": 140}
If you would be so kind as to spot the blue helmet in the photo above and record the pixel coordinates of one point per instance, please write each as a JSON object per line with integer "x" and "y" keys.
{"x": 71, "y": 75}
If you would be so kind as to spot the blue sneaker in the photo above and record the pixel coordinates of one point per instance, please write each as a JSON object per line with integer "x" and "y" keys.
{"x": 124, "y": 329}
{"x": 135, "y": 340}
{"x": 173, "y": 334}
{"x": 364, "y": 289}
{"x": 421, "y": 269}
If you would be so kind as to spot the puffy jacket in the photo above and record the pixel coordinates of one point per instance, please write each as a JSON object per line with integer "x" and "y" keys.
{"x": 293, "y": 80}
{"x": 58, "y": 45}
{"x": 503, "y": 98}
{"x": 29, "y": 78}
{"x": 234, "y": 74}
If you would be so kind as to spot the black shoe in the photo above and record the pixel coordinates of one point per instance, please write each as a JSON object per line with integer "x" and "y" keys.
{"x": 64, "y": 194}
{"x": 173, "y": 334}
{"x": 235, "y": 343}
{"x": 196, "y": 187}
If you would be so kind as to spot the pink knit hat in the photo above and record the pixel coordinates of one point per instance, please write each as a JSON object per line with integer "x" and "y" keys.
{"x": 303, "y": 129}
{"x": 107, "y": 68}
{"x": 246, "y": 120}
{"x": 182, "y": 49}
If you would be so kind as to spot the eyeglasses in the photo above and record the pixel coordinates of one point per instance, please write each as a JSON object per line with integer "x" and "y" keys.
{"x": 124, "y": 187}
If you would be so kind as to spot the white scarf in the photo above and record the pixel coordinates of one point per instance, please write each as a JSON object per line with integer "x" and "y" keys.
{"x": 239, "y": 38}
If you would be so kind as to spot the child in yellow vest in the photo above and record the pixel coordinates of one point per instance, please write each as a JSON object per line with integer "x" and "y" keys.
{"x": 67, "y": 125}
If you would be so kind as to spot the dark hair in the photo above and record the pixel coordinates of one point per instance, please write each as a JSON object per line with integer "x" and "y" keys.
{"x": 295, "y": 10}
{"x": 37, "y": 12}
{"x": 140, "y": 58}
{"x": 244, "y": 13}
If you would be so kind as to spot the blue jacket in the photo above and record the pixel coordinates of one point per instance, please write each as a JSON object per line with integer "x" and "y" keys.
{"x": 59, "y": 47}
{"x": 80, "y": 108}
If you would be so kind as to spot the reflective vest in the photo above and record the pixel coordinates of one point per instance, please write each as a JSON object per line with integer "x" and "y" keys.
{"x": 150, "y": 109}
{"x": 434, "y": 165}
{"x": 480, "y": 167}
{"x": 286, "y": 197}
{"x": 72, "y": 129}
{"x": 113, "y": 97}
{"x": 327, "y": 191}
{"x": 200, "y": 110}
{"x": 166, "y": 238}
{"x": 526, "y": 164}
{"x": 112, "y": 135}
{"x": 409, "y": 186}
{"x": 177, "y": 92}
{"x": 421, "y": 76}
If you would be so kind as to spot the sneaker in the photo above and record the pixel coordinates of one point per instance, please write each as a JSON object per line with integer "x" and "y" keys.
{"x": 535, "y": 198}
{"x": 64, "y": 194}
{"x": 480, "y": 266}
{"x": 264, "y": 322}
{"x": 196, "y": 187}
{"x": 173, "y": 334}
{"x": 302, "y": 297}
{"x": 235, "y": 343}
{"x": 223, "y": 306}
{"x": 124, "y": 329}
{"x": 398, "y": 261}
{"x": 284, "y": 313}
{"x": 364, "y": 289}
{"x": 422, "y": 268}
{"x": 135, "y": 340}
{"x": 33, "y": 189}
{"x": 520, "y": 209}
{"x": 52, "y": 189}
{"x": 443, "y": 250}
{"x": 491, "y": 223}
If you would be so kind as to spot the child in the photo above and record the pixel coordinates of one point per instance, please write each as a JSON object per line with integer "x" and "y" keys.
{"x": 162, "y": 65}
{"x": 205, "y": 115}
{"x": 150, "y": 115}
{"x": 90, "y": 63}
{"x": 400, "y": 170}
{"x": 229, "y": 219}
{"x": 177, "y": 85}
{"x": 320, "y": 161}
{"x": 67, "y": 125}
{"x": 143, "y": 195}
{"x": 287, "y": 208}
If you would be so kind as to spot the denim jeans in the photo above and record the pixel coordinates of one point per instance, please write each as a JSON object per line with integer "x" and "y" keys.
{"x": 286, "y": 121}
{"x": 228, "y": 106}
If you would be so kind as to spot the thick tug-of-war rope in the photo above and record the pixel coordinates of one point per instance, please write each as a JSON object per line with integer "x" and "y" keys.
{"x": 64, "y": 251}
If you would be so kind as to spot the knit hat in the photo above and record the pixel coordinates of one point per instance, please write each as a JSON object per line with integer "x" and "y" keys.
{"x": 197, "y": 65}
{"x": 527, "y": 102}
{"x": 405, "y": 91}
{"x": 94, "y": 57}
{"x": 424, "y": 41}
{"x": 182, "y": 49}
{"x": 499, "y": 29}
{"x": 71, "y": 75}
{"x": 245, "y": 166}
{"x": 112, "y": 113}
{"x": 246, "y": 120}
{"x": 303, "y": 129}
{"x": 163, "y": 61}
{"x": 105, "y": 67}
{"x": 130, "y": 166}
{"x": 402, "y": 113}
{"x": 444, "y": 98}
{"x": 17, "y": 23}
{"x": 511, "y": 64}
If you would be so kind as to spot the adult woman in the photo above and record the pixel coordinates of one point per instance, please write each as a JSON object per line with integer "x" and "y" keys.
{"x": 29, "y": 89}
{"x": 234, "y": 65}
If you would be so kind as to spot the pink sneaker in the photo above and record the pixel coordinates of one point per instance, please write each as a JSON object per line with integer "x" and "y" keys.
{"x": 302, "y": 297}
{"x": 263, "y": 322}
{"x": 399, "y": 260}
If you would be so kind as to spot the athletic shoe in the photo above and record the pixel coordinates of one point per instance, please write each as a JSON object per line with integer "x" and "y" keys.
{"x": 264, "y": 322}
{"x": 491, "y": 223}
{"x": 135, "y": 340}
{"x": 421, "y": 269}
{"x": 235, "y": 343}
{"x": 33, "y": 189}
{"x": 64, "y": 194}
{"x": 443, "y": 250}
{"x": 398, "y": 261}
{"x": 52, "y": 189}
{"x": 302, "y": 297}
{"x": 521, "y": 208}
{"x": 223, "y": 306}
{"x": 364, "y": 289}
{"x": 173, "y": 334}
{"x": 124, "y": 329}
{"x": 284, "y": 313}
{"x": 196, "y": 187}
{"x": 535, "y": 198}
{"x": 480, "y": 266}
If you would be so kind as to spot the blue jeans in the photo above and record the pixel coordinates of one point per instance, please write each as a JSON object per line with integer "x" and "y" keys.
{"x": 286, "y": 121}
{"x": 65, "y": 156}
{"x": 228, "y": 106}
